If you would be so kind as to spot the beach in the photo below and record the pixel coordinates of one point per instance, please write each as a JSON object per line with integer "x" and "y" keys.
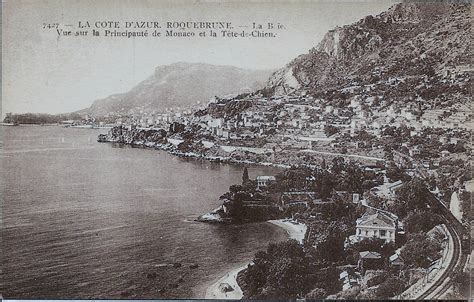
{"x": 214, "y": 292}
{"x": 295, "y": 231}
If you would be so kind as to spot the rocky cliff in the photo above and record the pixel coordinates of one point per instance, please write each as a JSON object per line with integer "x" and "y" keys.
{"x": 407, "y": 42}
{"x": 135, "y": 136}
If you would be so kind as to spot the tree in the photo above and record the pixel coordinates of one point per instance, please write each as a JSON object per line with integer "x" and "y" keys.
{"x": 465, "y": 198}
{"x": 235, "y": 188}
{"x": 421, "y": 221}
{"x": 459, "y": 148}
{"x": 394, "y": 172}
{"x": 390, "y": 288}
{"x": 354, "y": 178}
{"x": 245, "y": 176}
{"x": 411, "y": 255}
{"x": 388, "y": 153}
{"x": 286, "y": 277}
{"x": 339, "y": 210}
{"x": 250, "y": 186}
{"x": 329, "y": 243}
{"x": 337, "y": 165}
{"x": 280, "y": 272}
{"x": 330, "y": 130}
{"x": 325, "y": 184}
{"x": 411, "y": 196}
{"x": 462, "y": 284}
{"x": 375, "y": 201}
{"x": 255, "y": 276}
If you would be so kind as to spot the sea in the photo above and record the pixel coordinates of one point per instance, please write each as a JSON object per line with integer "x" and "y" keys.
{"x": 88, "y": 220}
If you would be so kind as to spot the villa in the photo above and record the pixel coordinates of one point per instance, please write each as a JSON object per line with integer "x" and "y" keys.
{"x": 377, "y": 225}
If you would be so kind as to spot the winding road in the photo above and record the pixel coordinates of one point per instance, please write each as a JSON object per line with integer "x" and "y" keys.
{"x": 343, "y": 155}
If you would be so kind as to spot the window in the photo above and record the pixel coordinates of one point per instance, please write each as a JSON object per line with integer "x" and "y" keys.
{"x": 383, "y": 233}
{"x": 366, "y": 233}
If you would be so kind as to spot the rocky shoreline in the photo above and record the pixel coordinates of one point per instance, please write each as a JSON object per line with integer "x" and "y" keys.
{"x": 162, "y": 142}
{"x": 214, "y": 217}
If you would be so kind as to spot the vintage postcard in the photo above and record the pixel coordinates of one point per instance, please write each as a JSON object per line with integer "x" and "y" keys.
{"x": 236, "y": 149}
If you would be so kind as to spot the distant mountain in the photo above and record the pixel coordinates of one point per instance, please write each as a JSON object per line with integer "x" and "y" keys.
{"x": 412, "y": 51}
{"x": 180, "y": 85}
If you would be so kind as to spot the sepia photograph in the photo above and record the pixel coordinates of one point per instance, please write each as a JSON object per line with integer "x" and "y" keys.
{"x": 224, "y": 149}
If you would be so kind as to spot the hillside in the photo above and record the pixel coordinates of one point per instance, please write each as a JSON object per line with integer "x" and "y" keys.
{"x": 411, "y": 52}
{"x": 181, "y": 85}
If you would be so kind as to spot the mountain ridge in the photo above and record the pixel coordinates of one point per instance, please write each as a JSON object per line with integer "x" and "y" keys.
{"x": 181, "y": 84}
{"x": 408, "y": 41}
{"x": 413, "y": 51}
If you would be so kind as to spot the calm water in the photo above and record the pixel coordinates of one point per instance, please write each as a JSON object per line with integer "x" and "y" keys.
{"x": 82, "y": 219}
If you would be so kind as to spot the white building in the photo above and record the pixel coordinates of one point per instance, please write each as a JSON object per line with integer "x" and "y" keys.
{"x": 263, "y": 181}
{"x": 215, "y": 123}
{"x": 377, "y": 225}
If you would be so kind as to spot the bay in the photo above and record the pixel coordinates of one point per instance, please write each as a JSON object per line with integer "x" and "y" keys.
{"x": 82, "y": 219}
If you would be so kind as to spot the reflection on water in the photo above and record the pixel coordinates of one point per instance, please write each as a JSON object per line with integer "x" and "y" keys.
{"x": 89, "y": 220}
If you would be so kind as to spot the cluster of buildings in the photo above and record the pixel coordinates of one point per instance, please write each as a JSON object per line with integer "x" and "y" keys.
{"x": 299, "y": 121}
{"x": 157, "y": 120}
{"x": 302, "y": 122}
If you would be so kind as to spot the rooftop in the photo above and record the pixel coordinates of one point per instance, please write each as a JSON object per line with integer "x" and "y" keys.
{"x": 266, "y": 178}
{"x": 369, "y": 255}
{"x": 377, "y": 219}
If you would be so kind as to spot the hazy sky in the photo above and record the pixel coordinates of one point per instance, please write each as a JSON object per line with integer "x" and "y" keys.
{"x": 42, "y": 72}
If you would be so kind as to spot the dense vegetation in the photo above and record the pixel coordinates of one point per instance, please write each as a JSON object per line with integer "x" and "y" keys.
{"x": 287, "y": 270}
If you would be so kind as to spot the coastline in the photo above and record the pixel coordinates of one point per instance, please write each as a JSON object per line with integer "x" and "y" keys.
{"x": 227, "y": 160}
{"x": 214, "y": 292}
{"x": 223, "y": 159}
{"x": 220, "y": 159}
{"x": 295, "y": 230}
